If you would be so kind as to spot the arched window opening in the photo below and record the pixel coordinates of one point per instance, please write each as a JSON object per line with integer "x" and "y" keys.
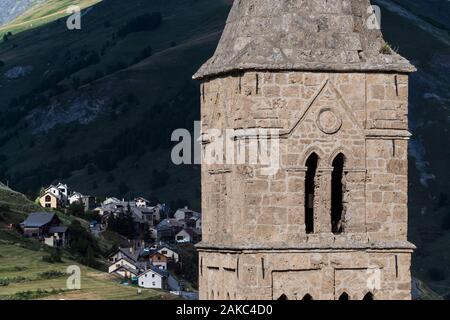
{"x": 310, "y": 186}
{"x": 282, "y": 297}
{"x": 344, "y": 297}
{"x": 307, "y": 297}
{"x": 368, "y": 296}
{"x": 212, "y": 295}
{"x": 337, "y": 194}
{"x": 228, "y": 296}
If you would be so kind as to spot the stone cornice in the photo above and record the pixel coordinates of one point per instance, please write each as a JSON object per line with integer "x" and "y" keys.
{"x": 403, "y": 246}
{"x": 388, "y": 134}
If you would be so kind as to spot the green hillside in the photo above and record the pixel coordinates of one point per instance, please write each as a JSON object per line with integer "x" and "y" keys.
{"x": 41, "y": 14}
{"x": 135, "y": 87}
{"x": 14, "y": 206}
{"x": 24, "y": 275}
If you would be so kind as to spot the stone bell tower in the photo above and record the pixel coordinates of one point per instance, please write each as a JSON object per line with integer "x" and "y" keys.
{"x": 331, "y": 223}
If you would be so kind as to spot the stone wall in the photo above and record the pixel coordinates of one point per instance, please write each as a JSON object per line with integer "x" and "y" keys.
{"x": 328, "y": 114}
{"x": 324, "y": 275}
{"x": 361, "y": 116}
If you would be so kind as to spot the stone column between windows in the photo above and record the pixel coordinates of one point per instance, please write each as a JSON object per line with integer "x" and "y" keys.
{"x": 322, "y": 201}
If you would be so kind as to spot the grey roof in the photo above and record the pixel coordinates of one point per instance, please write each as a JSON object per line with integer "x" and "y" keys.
{"x": 131, "y": 257}
{"x": 125, "y": 267}
{"x": 76, "y": 193}
{"x": 162, "y": 273}
{"x": 126, "y": 252}
{"x": 141, "y": 198}
{"x": 189, "y": 231}
{"x": 162, "y": 245}
{"x": 38, "y": 219}
{"x": 301, "y": 35}
{"x": 169, "y": 223}
{"x": 59, "y": 229}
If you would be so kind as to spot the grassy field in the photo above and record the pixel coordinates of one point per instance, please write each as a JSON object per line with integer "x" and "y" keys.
{"x": 41, "y": 14}
{"x": 15, "y": 205}
{"x": 24, "y": 268}
{"x": 24, "y": 274}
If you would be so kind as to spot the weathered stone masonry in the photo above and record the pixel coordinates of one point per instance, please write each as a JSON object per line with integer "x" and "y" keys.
{"x": 255, "y": 241}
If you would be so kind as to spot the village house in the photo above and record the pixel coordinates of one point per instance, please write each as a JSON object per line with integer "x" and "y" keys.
{"x": 57, "y": 236}
{"x": 46, "y": 227}
{"x": 142, "y": 202}
{"x": 153, "y": 278}
{"x": 159, "y": 260}
{"x": 124, "y": 267}
{"x": 120, "y": 254}
{"x": 135, "y": 257}
{"x": 110, "y": 200}
{"x": 166, "y": 230}
{"x": 123, "y": 262}
{"x": 194, "y": 223}
{"x": 187, "y": 235}
{"x": 88, "y": 202}
{"x": 186, "y": 213}
{"x": 61, "y": 191}
{"x": 168, "y": 251}
{"x": 50, "y": 200}
{"x": 75, "y": 197}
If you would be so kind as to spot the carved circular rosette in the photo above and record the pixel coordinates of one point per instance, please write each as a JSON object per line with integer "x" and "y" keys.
{"x": 329, "y": 121}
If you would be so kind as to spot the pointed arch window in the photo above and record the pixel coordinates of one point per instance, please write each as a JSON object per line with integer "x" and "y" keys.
{"x": 337, "y": 194}
{"x": 310, "y": 188}
{"x": 344, "y": 296}
{"x": 368, "y": 296}
{"x": 282, "y": 297}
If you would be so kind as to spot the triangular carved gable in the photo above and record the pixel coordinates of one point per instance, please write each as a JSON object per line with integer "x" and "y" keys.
{"x": 327, "y": 91}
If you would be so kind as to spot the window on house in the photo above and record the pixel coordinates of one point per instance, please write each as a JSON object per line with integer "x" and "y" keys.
{"x": 48, "y": 198}
{"x": 311, "y": 165}
{"x": 164, "y": 252}
{"x": 47, "y": 205}
{"x": 153, "y": 275}
{"x": 337, "y": 192}
{"x": 344, "y": 297}
{"x": 283, "y": 297}
{"x": 153, "y": 283}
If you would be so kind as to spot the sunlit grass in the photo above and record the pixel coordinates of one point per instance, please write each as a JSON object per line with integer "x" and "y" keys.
{"x": 44, "y": 13}
{"x": 16, "y": 261}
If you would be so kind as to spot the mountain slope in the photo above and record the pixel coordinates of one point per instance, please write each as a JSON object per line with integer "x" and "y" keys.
{"x": 423, "y": 40}
{"x": 48, "y": 115}
{"x": 10, "y": 9}
{"x": 34, "y": 13}
{"x": 14, "y": 205}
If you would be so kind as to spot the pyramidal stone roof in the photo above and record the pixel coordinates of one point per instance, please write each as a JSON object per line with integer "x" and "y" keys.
{"x": 303, "y": 35}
